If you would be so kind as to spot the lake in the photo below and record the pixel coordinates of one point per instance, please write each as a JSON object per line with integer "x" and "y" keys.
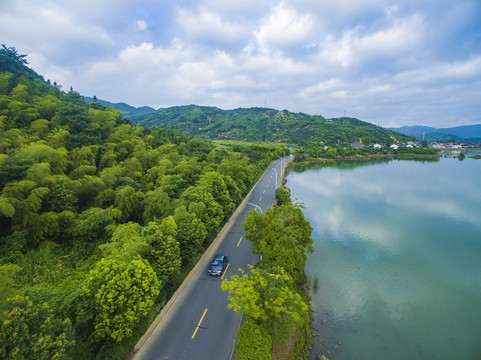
{"x": 397, "y": 257}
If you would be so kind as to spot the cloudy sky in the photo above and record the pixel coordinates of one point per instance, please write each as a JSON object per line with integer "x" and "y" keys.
{"x": 388, "y": 62}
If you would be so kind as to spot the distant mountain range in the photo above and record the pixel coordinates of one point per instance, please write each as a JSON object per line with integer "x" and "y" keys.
{"x": 256, "y": 124}
{"x": 145, "y": 115}
{"x": 458, "y": 133}
{"x": 127, "y": 111}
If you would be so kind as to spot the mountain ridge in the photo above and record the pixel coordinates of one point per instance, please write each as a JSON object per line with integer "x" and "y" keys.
{"x": 265, "y": 124}
{"x": 126, "y": 109}
{"x": 458, "y": 133}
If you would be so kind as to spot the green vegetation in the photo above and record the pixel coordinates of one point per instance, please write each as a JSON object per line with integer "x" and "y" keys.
{"x": 336, "y": 152}
{"x": 266, "y": 125}
{"x": 99, "y": 219}
{"x": 272, "y": 297}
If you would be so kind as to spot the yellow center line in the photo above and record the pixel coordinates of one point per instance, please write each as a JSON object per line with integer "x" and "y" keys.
{"x": 264, "y": 191}
{"x": 239, "y": 241}
{"x": 260, "y": 199}
{"x": 200, "y": 321}
{"x": 225, "y": 271}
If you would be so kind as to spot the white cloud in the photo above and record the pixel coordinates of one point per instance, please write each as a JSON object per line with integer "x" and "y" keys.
{"x": 209, "y": 27}
{"x": 141, "y": 25}
{"x": 53, "y": 30}
{"x": 383, "y": 62}
{"x": 358, "y": 46}
{"x": 285, "y": 27}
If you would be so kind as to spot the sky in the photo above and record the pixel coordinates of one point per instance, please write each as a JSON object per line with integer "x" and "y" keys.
{"x": 387, "y": 62}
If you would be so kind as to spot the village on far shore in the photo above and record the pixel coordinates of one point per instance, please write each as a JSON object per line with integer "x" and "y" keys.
{"x": 450, "y": 145}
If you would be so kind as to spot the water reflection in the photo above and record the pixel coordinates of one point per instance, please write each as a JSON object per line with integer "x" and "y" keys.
{"x": 397, "y": 257}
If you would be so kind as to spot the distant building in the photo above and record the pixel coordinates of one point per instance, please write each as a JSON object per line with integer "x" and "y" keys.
{"x": 357, "y": 145}
{"x": 436, "y": 145}
{"x": 394, "y": 147}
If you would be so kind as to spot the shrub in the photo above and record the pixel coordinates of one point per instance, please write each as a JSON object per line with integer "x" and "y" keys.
{"x": 252, "y": 343}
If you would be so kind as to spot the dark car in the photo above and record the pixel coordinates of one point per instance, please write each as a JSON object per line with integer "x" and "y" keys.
{"x": 218, "y": 265}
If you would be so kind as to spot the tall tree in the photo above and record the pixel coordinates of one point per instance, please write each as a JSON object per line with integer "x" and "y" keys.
{"x": 165, "y": 252}
{"x": 120, "y": 294}
{"x": 282, "y": 235}
{"x": 264, "y": 295}
{"x": 32, "y": 331}
{"x": 191, "y": 233}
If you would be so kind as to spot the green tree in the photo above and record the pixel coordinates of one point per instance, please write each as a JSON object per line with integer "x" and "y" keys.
{"x": 5, "y": 82}
{"x": 57, "y": 158}
{"x": 237, "y": 168}
{"x": 282, "y": 235}
{"x": 156, "y": 205}
{"x": 120, "y": 294}
{"x": 283, "y": 195}
{"x": 214, "y": 182}
{"x": 14, "y": 167}
{"x": 90, "y": 229}
{"x": 191, "y": 233}
{"x": 31, "y": 331}
{"x": 127, "y": 243}
{"x": 129, "y": 202}
{"x": 264, "y": 295}
{"x": 165, "y": 252}
{"x": 200, "y": 201}
{"x": 10, "y": 55}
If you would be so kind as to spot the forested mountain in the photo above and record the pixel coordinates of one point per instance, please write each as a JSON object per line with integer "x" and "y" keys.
{"x": 99, "y": 219}
{"x": 261, "y": 124}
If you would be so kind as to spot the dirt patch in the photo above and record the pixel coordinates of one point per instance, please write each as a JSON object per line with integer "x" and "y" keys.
{"x": 284, "y": 352}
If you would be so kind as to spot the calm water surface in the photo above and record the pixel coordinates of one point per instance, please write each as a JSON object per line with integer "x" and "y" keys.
{"x": 397, "y": 258}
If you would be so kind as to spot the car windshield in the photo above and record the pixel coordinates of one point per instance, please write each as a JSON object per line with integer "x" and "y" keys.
{"x": 217, "y": 262}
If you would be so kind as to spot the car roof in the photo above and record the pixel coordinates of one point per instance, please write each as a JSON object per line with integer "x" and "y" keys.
{"x": 219, "y": 256}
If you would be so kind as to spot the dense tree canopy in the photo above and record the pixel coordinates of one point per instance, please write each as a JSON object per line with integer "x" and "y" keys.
{"x": 282, "y": 235}
{"x": 31, "y": 331}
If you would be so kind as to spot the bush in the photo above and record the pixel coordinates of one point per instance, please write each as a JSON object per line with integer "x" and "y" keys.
{"x": 252, "y": 343}
{"x": 283, "y": 196}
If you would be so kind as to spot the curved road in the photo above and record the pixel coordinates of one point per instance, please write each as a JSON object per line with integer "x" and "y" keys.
{"x": 195, "y": 323}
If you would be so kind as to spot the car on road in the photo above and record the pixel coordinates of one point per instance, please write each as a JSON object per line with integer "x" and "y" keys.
{"x": 218, "y": 265}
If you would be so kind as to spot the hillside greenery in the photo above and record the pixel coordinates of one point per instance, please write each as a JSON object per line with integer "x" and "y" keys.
{"x": 100, "y": 219}
{"x": 267, "y": 125}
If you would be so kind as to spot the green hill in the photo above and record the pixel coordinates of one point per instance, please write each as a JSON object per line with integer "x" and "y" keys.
{"x": 269, "y": 125}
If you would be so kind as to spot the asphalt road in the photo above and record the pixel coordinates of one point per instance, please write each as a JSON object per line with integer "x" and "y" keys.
{"x": 196, "y": 323}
